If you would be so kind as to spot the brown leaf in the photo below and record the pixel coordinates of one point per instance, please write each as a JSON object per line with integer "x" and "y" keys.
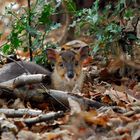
{"x": 20, "y": 125}
{"x": 93, "y": 118}
{"x": 87, "y": 61}
{"x": 106, "y": 99}
{"x": 74, "y": 105}
{"x": 7, "y": 136}
{"x": 27, "y": 135}
{"x": 116, "y": 96}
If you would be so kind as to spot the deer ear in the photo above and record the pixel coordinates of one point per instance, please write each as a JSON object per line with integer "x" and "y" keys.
{"x": 51, "y": 54}
{"x": 84, "y": 52}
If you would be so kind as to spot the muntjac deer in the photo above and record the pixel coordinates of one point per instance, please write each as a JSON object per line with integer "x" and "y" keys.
{"x": 67, "y": 72}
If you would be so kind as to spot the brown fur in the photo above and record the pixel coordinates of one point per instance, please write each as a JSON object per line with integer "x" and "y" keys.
{"x": 59, "y": 80}
{"x": 65, "y": 61}
{"x": 13, "y": 70}
{"x": 64, "y": 85}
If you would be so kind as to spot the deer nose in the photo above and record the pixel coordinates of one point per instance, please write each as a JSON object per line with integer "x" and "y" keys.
{"x": 70, "y": 74}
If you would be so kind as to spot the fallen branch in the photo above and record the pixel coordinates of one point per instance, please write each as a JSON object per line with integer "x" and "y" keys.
{"x": 23, "y": 80}
{"x": 135, "y": 110}
{"x": 64, "y": 96}
{"x": 54, "y": 96}
{"x": 43, "y": 118}
{"x": 20, "y": 112}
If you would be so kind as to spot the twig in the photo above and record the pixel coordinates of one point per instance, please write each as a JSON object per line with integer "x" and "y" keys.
{"x": 132, "y": 112}
{"x": 45, "y": 117}
{"x": 30, "y": 37}
{"x": 20, "y": 112}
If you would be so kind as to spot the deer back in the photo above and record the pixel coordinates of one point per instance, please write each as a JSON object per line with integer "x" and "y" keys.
{"x": 15, "y": 69}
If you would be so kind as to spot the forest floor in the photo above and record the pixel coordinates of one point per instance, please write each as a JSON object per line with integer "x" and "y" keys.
{"x": 114, "y": 88}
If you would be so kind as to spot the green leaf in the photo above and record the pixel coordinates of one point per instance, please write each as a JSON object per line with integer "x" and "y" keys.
{"x": 96, "y": 5}
{"x": 46, "y": 13}
{"x": 1, "y": 33}
{"x": 71, "y": 6}
{"x": 132, "y": 36}
{"x": 128, "y": 13}
{"x": 122, "y": 1}
{"x": 18, "y": 27}
{"x": 94, "y": 18}
{"x": 15, "y": 40}
{"x": 32, "y": 31}
{"x": 55, "y": 26}
{"x": 113, "y": 28}
{"x": 96, "y": 48}
{"x": 6, "y": 48}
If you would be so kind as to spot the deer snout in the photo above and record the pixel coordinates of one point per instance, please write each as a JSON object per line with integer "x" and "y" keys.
{"x": 70, "y": 74}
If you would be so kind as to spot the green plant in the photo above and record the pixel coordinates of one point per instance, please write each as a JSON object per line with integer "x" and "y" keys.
{"x": 104, "y": 24}
{"x": 30, "y": 26}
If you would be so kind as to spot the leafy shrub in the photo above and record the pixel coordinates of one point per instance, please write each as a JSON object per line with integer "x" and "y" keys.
{"x": 30, "y": 26}
{"x": 104, "y": 24}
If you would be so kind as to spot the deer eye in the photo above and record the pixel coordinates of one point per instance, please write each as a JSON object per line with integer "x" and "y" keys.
{"x": 76, "y": 63}
{"x": 61, "y": 65}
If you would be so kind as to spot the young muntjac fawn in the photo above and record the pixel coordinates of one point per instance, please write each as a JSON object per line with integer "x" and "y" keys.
{"x": 67, "y": 72}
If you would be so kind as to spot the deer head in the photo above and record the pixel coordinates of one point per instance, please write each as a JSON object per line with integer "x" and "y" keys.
{"x": 68, "y": 63}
